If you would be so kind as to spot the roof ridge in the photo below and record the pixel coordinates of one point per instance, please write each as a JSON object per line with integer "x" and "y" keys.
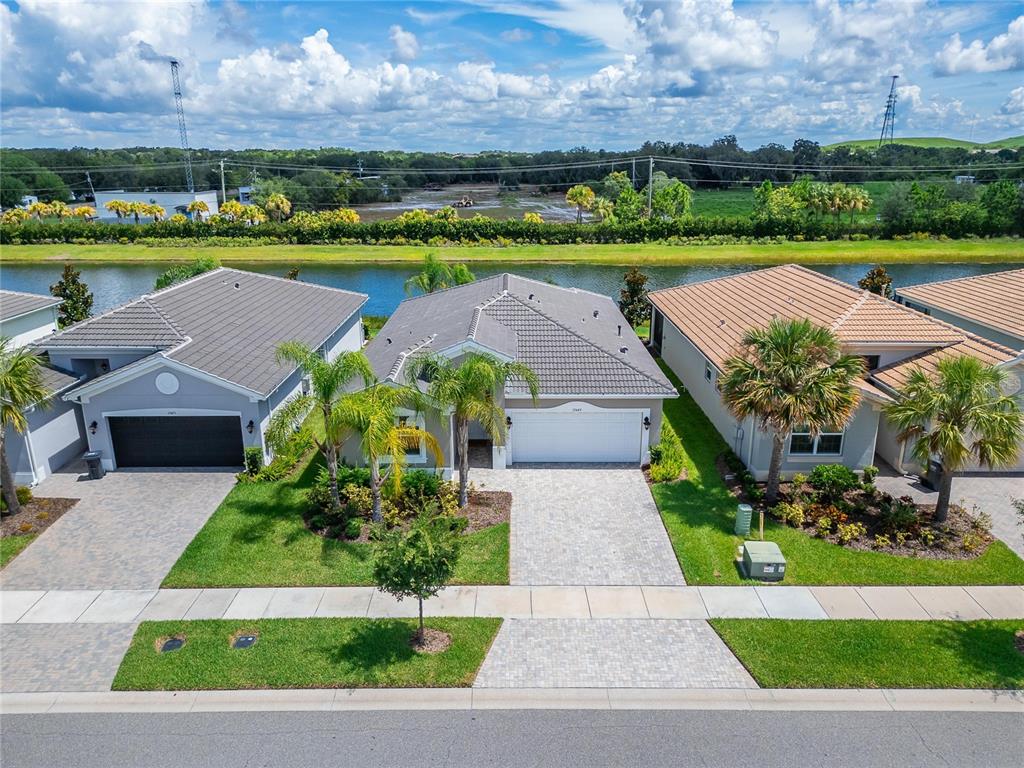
{"x": 570, "y": 289}
{"x": 964, "y": 279}
{"x": 49, "y": 296}
{"x": 170, "y": 323}
{"x": 404, "y": 355}
{"x": 838, "y": 322}
{"x": 284, "y": 280}
{"x": 449, "y": 288}
{"x": 777, "y": 267}
{"x": 592, "y": 343}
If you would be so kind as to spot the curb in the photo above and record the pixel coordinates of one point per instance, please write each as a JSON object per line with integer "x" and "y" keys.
{"x": 362, "y": 699}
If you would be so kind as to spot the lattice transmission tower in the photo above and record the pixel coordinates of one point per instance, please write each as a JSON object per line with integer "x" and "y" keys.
{"x": 889, "y": 123}
{"x": 181, "y": 126}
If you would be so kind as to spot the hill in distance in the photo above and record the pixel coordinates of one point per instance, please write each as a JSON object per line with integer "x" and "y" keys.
{"x": 1012, "y": 142}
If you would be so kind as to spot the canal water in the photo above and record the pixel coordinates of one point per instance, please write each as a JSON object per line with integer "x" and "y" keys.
{"x": 115, "y": 284}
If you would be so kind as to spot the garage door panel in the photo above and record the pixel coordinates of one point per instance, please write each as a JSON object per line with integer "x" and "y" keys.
{"x": 583, "y": 436}
{"x": 176, "y": 441}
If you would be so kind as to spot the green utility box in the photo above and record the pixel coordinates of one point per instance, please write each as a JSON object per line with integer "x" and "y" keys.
{"x": 743, "y": 514}
{"x": 763, "y": 560}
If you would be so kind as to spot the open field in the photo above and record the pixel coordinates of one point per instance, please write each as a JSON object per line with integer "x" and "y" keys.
{"x": 780, "y": 653}
{"x": 995, "y": 250}
{"x": 302, "y": 653}
{"x": 1010, "y": 142}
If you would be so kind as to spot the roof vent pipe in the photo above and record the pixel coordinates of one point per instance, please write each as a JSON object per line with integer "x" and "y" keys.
{"x": 620, "y": 330}
{"x": 596, "y": 313}
{"x": 236, "y": 286}
{"x": 389, "y": 339}
{"x": 623, "y": 350}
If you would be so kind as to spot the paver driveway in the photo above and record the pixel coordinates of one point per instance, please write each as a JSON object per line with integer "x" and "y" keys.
{"x": 126, "y": 532}
{"x": 584, "y": 526}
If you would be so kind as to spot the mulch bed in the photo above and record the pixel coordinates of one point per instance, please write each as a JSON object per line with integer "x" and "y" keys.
{"x": 434, "y": 641}
{"x": 35, "y": 517}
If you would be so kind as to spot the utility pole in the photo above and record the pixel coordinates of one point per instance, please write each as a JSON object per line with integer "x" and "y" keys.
{"x": 634, "y": 173}
{"x": 650, "y": 186}
{"x": 360, "y": 169}
{"x": 92, "y": 189}
{"x": 223, "y": 190}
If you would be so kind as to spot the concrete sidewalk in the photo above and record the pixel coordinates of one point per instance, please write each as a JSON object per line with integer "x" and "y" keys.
{"x": 777, "y": 602}
{"x": 837, "y": 700}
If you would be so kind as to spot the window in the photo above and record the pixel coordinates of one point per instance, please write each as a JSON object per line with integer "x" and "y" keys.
{"x": 411, "y": 449}
{"x": 801, "y": 443}
{"x": 416, "y": 451}
{"x": 708, "y": 373}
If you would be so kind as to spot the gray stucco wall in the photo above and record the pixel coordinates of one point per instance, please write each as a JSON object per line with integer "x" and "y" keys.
{"x": 57, "y": 436}
{"x": 85, "y": 363}
{"x": 435, "y": 424}
{"x": 969, "y": 325}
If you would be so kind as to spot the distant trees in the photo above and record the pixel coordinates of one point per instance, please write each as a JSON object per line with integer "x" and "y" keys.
{"x": 76, "y": 298}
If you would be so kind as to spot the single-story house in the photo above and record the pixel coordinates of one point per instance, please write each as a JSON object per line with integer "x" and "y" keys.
{"x": 188, "y": 376}
{"x": 55, "y": 433}
{"x": 601, "y": 392}
{"x": 989, "y": 305}
{"x": 171, "y": 202}
{"x": 697, "y": 327}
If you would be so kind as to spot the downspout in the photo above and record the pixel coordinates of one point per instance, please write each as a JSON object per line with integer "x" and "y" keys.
{"x": 31, "y": 456}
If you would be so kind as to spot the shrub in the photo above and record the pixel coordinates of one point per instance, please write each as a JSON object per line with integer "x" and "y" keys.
{"x": 790, "y": 513}
{"x": 823, "y": 526}
{"x": 898, "y": 514}
{"x": 353, "y": 528}
{"x": 733, "y": 462}
{"x": 832, "y": 480}
{"x": 419, "y": 487}
{"x": 318, "y": 495}
{"x": 253, "y": 460}
{"x": 353, "y": 476}
{"x": 24, "y": 494}
{"x": 670, "y": 457}
{"x": 357, "y": 499}
{"x": 882, "y": 541}
{"x": 972, "y": 541}
{"x": 870, "y": 473}
{"x": 848, "y": 532}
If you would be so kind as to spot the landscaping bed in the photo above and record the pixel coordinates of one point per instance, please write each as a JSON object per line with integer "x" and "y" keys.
{"x": 699, "y": 513}
{"x": 20, "y": 530}
{"x": 266, "y": 534}
{"x": 304, "y": 653}
{"x": 783, "y": 653}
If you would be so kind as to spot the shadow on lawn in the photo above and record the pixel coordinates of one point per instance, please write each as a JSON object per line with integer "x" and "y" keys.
{"x": 988, "y": 649}
{"x": 266, "y": 505}
{"x": 374, "y": 645}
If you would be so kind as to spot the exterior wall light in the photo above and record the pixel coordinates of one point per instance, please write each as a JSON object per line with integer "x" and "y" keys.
{"x": 647, "y": 422}
{"x": 508, "y": 422}
{"x": 93, "y": 426}
{"x": 250, "y": 426}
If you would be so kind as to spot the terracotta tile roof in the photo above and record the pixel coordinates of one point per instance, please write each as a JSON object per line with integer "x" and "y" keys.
{"x": 715, "y": 314}
{"x": 995, "y": 299}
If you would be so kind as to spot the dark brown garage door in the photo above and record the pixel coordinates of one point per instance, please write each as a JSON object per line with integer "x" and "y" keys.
{"x": 176, "y": 441}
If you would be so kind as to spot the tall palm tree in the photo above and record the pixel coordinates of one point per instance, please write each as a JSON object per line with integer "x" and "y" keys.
{"x": 138, "y": 209}
{"x": 84, "y": 212}
{"x": 21, "y": 386}
{"x": 59, "y": 209}
{"x": 197, "y": 208}
{"x": 372, "y": 416}
{"x": 438, "y": 275}
{"x": 119, "y": 208}
{"x": 791, "y": 374}
{"x": 39, "y": 209}
{"x": 605, "y": 209}
{"x": 156, "y": 211}
{"x": 233, "y": 209}
{"x": 959, "y": 414}
{"x": 329, "y": 384}
{"x": 470, "y": 389}
{"x": 277, "y": 206}
{"x": 582, "y": 197}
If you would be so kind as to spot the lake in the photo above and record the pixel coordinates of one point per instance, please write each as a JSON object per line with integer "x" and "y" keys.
{"x": 115, "y": 284}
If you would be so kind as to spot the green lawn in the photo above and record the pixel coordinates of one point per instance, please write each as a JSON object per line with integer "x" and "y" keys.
{"x": 1010, "y": 142}
{"x": 782, "y": 653}
{"x": 10, "y": 546}
{"x": 738, "y": 201}
{"x": 257, "y": 538}
{"x": 699, "y": 513}
{"x": 881, "y": 251}
{"x": 303, "y": 653}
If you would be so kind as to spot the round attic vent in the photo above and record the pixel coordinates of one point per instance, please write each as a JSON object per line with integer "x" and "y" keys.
{"x": 167, "y": 383}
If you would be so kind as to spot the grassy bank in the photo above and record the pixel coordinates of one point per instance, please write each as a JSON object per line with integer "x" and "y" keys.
{"x": 256, "y": 538}
{"x": 883, "y": 251}
{"x": 10, "y": 546}
{"x": 876, "y": 654}
{"x": 699, "y": 513}
{"x": 302, "y": 653}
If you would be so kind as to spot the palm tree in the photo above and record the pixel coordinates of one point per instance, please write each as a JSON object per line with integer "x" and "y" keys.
{"x": 233, "y": 209}
{"x": 39, "y": 209}
{"x": 438, "y": 275}
{"x": 582, "y": 197}
{"x": 859, "y": 201}
{"x": 253, "y": 214}
{"x": 278, "y": 206}
{"x": 21, "y": 386}
{"x": 605, "y": 209}
{"x": 197, "y": 208}
{"x": 84, "y": 212}
{"x": 791, "y": 374}
{"x": 59, "y": 209}
{"x": 156, "y": 211}
{"x": 372, "y": 415}
{"x": 957, "y": 415}
{"x": 329, "y": 383}
{"x": 137, "y": 209}
{"x": 470, "y": 389}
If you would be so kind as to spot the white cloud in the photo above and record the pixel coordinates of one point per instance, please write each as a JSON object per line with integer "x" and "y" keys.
{"x": 1003, "y": 52}
{"x": 516, "y": 35}
{"x": 1014, "y": 104}
{"x": 406, "y": 46}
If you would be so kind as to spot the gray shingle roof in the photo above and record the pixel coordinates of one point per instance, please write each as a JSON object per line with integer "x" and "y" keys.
{"x": 226, "y": 323}
{"x": 15, "y": 303}
{"x": 572, "y": 339}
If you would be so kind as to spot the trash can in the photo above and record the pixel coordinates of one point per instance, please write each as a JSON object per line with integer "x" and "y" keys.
{"x": 92, "y": 458}
{"x": 743, "y": 515}
{"x": 933, "y": 478}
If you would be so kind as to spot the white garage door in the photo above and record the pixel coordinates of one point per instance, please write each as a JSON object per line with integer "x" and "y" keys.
{"x": 576, "y": 436}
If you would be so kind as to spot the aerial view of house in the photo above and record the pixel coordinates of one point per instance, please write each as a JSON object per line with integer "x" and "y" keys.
{"x": 697, "y": 327}
{"x": 987, "y": 305}
{"x": 600, "y": 391}
{"x": 188, "y": 376}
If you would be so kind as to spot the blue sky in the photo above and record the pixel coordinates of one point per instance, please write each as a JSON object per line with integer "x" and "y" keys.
{"x": 506, "y": 74}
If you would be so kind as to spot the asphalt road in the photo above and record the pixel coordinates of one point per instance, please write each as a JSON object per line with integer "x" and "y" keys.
{"x": 519, "y": 738}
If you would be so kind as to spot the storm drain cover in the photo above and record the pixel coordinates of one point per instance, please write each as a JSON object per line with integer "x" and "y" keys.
{"x": 244, "y": 641}
{"x": 172, "y": 644}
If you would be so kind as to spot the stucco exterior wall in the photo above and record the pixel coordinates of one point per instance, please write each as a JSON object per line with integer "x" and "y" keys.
{"x": 56, "y": 436}
{"x": 30, "y": 327}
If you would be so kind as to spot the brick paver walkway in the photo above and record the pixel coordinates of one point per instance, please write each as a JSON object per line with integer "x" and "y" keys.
{"x": 68, "y": 657}
{"x": 610, "y": 653}
{"x": 126, "y": 531}
{"x": 584, "y": 526}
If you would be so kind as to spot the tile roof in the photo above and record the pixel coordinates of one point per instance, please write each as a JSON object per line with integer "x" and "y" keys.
{"x": 226, "y": 323}
{"x": 716, "y": 313}
{"x": 15, "y": 303}
{"x": 995, "y": 299}
{"x": 570, "y": 338}
{"x": 56, "y": 380}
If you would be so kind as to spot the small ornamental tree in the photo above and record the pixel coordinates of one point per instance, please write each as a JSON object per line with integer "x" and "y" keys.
{"x": 633, "y": 302}
{"x": 76, "y": 297}
{"x": 419, "y": 560}
{"x": 877, "y": 281}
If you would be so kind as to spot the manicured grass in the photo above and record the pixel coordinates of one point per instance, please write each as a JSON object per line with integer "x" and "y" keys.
{"x": 1010, "y": 142}
{"x": 10, "y": 546}
{"x": 699, "y": 513}
{"x": 882, "y": 251}
{"x": 257, "y": 538}
{"x": 303, "y": 653}
{"x": 782, "y": 653}
{"x": 738, "y": 201}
